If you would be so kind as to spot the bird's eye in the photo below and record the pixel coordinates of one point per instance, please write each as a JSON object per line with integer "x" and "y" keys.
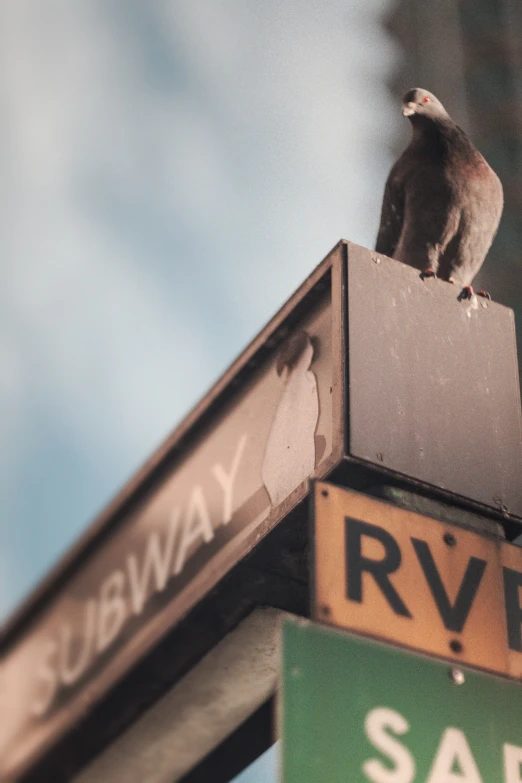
{"x": 425, "y": 99}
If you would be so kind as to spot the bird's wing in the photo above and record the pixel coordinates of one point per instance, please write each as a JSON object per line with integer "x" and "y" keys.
{"x": 392, "y": 214}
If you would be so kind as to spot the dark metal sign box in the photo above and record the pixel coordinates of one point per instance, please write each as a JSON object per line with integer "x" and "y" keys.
{"x": 367, "y": 374}
{"x": 433, "y": 391}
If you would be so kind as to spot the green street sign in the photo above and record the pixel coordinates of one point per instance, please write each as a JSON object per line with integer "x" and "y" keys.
{"x": 357, "y": 711}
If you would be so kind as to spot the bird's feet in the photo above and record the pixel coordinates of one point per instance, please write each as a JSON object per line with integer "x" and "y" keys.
{"x": 466, "y": 293}
{"x": 484, "y": 294}
{"x": 429, "y": 272}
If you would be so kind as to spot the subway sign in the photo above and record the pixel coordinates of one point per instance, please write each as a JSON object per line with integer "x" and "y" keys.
{"x": 172, "y": 544}
{"x": 409, "y": 579}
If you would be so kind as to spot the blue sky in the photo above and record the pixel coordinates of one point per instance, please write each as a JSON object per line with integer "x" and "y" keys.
{"x": 264, "y": 769}
{"x": 171, "y": 171}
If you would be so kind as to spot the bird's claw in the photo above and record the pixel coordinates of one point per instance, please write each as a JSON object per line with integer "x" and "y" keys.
{"x": 466, "y": 293}
{"x": 483, "y": 293}
{"x": 429, "y": 272}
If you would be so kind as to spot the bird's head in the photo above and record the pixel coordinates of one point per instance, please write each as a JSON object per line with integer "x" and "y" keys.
{"x": 419, "y": 103}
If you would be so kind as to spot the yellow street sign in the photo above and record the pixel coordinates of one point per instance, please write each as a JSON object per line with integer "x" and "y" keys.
{"x": 415, "y": 581}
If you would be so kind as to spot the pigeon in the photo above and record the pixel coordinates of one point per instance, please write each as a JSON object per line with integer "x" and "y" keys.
{"x": 442, "y": 201}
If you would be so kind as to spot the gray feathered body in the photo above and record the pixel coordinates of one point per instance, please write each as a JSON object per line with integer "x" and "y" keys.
{"x": 442, "y": 204}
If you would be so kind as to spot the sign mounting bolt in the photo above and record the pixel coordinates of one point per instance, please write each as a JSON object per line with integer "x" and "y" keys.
{"x": 457, "y": 675}
{"x": 456, "y": 646}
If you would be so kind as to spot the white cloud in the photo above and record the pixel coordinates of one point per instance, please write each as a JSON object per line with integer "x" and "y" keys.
{"x": 157, "y": 211}
{"x": 92, "y": 318}
{"x": 301, "y": 85}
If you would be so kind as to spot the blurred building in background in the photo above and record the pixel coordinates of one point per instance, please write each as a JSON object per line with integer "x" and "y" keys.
{"x": 469, "y": 53}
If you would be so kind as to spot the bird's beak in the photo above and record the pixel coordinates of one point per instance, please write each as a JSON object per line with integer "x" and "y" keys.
{"x": 408, "y": 109}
